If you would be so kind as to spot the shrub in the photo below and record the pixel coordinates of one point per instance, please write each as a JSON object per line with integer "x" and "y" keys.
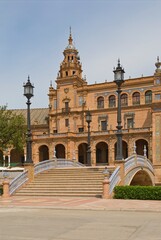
{"x": 137, "y": 192}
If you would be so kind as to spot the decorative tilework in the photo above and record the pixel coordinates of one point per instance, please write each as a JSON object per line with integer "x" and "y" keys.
{"x": 158, "y": 138}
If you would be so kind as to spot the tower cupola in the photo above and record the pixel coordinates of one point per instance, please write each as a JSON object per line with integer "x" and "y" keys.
{"x": 70, "y": 68}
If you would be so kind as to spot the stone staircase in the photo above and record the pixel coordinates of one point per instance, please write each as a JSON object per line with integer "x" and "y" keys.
{"x": 78, "y": 182}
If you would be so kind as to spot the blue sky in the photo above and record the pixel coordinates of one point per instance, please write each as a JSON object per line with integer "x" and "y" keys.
{"x": 34, "y": 33}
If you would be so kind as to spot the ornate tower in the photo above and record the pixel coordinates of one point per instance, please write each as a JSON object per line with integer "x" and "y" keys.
{"x": 64, "y": 100}
{"x": 70, "y": 68}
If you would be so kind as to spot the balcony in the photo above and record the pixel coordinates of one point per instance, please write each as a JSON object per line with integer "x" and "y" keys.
{"x": 66, "y": 110}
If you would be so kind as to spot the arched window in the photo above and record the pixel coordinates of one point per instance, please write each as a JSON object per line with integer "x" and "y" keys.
{"x": 112, "y": 101}
{"x": 100, "y": 102}
{"x": 148, "y": 96}
{"x": 136, "y": 98}
{"x": 124, "y": 99}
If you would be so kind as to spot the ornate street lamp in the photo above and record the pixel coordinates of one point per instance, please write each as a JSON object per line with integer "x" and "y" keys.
{"x": 88, "y": 120}
{"x": 28, "y": 93}
{"x": 119, "y": 79}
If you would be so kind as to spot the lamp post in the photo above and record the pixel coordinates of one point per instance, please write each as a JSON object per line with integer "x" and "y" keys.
{"x": 28, "y": 93}
{"x": 88, "y": 120}
{"x": 119, "y": 79}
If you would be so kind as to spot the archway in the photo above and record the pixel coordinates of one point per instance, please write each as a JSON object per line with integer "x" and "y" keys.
{"x": 43, "y": 153}
{"x": 1, "y": 158}
{"x": 16, "y": 157}
{"x": 124, "y": 149}
{"x": 101, "y": 153}
{"x": 141, "y": 178}
{"x": 140, "y": 147}
{"x": 82, "y": 153}
{"x": 60, "y": 151}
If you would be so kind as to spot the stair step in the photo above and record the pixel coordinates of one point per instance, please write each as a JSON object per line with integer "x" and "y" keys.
{"x": 61, "y": 195}
{"x": 36, "y": 185}
{"x": 59, "y": 188}
{"x": 65, "y": 182}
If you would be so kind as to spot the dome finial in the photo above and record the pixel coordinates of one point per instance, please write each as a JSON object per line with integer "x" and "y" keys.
{"x": 158, "y": 59}
{"x": 70, "y": 36}
{"x": 158, "y": 64}
{"x": 70, "y": 31}
{"x": 118, "y": 62}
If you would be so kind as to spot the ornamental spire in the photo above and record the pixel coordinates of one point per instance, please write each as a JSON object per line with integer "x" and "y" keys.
{"x": 70, "y": 37}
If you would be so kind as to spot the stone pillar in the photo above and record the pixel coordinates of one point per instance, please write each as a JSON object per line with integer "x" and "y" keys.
{"x": 30, "y": 168}
{"x": 5, "y": 184}
{"x": 131, "y": 146}
{"x": 110, "y": 152}
{"x": 93, "y": 157}
{"x": 112, "y": 158}
{"x": 9, "y": 160}
{"x": 106, "y": 188}
{"x": 4, "y": 160}
{"x": 76, "y": 154}
{"x": 68, "y": 150}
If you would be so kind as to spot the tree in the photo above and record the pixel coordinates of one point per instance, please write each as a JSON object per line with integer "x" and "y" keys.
{"x": 12, "y": 129}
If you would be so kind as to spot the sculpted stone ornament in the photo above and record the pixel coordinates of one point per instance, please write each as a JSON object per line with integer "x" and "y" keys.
{"x": 66, "y": 90}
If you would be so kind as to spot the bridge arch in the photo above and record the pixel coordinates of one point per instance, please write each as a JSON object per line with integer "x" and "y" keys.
{"x": 138, "y": 171}
{"x": 141, "y": 178}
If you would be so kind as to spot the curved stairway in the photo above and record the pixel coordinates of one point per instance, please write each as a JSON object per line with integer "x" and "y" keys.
{"x": 78, "y": 182}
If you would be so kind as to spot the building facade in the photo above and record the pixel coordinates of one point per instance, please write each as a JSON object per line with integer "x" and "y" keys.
{"x": 62, "y": 128}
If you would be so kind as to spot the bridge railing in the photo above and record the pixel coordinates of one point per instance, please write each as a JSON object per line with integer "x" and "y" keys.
{"x": 22, "y": 178}
{"x": 55, "y": 163}
{"x": 18, "y": 182}
{"x": 141, "y": 160}
{"x": 114, "y": 179}
{"x": 137, "y": 160}
{"x": 130, "y": 162}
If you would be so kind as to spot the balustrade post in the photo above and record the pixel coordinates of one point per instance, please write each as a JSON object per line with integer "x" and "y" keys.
{"x": 5, "y": 184}
{"x": 74, "y": 158}
{"x": 106, "y": 188}
{"x": 30, "y": 171}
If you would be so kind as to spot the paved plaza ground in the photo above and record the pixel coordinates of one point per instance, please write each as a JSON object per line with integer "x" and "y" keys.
{"x": 28, "y": 218}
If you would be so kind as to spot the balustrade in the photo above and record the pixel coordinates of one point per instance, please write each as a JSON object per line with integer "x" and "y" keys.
{"x": 18, "y": 182}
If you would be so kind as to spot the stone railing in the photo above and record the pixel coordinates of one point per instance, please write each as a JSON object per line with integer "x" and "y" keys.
{"x": 11, "y": 174}
{"x": 143, "y": 161}
{"x": 55, "y": 163}
{"x": 42, "y": 166}
{"x": 130, "y": 162}
{"x": 18, "y": 182}
{"x": 114, "y": 179}
{"x": 137, "y": 160}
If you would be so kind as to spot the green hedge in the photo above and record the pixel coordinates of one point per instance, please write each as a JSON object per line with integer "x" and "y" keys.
{"x": 137, "y": 192}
